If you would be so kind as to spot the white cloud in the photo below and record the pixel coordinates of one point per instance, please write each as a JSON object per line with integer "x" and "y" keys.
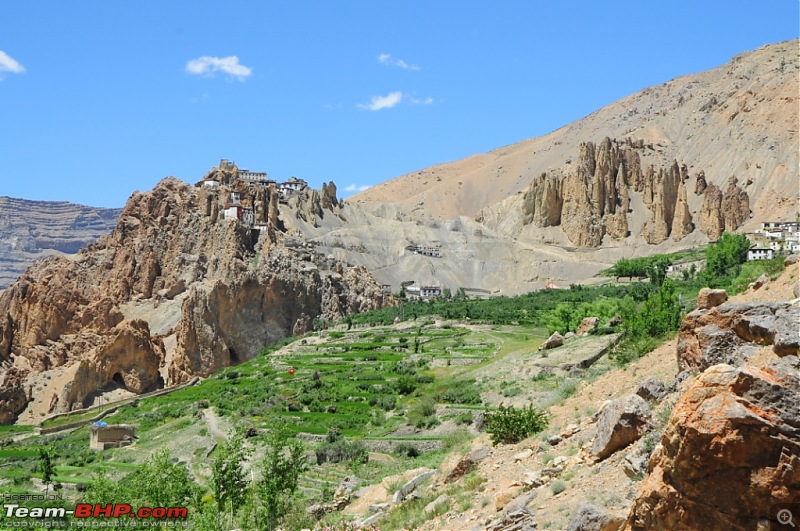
{"x": 208, "y": 66}
{"x": 356, "y": 188}
{"x": 382, "y": 102}
{"x": 9, "y": 64}
{"x": 424, "y": 101}
{"x": 387, "y": 59}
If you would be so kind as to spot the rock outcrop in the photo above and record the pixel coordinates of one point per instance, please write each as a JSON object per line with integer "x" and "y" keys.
{"x": 708, "y": 298}
{"x": 596, "y": 189}
{"x": 215, "y": 258}
{"x": 733, "y": 333}
{"x": 542, "y": 202}
{"x": 588, "y": 324}
{"x": 555, "y": 340}
{"x": 590, "y": 517}
{"x": 621, "y": 422}
{"x": 591, "y": 199}
{"x": 723, "y": 212}
{"x": 730, "y": 454}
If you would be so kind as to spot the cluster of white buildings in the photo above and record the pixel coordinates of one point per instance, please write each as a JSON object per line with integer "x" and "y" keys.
{"x": 775, "y": 237}
{"x": 234, "y": 209}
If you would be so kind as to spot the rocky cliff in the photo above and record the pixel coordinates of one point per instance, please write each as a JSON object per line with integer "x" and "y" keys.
{"x": 739, "y": 119}
{"x": 191, "y": 279}
{"x": 592, "y": 198}
{"x": 730, "y": 454}
{"x": 30, "y": 230}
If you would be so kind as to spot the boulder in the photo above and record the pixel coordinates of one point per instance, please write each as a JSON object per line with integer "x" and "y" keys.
{"x": 590, "y": 517}
{"x": 467, "y": 464}
{"x": 760, "y": 281}
{"x": 790, "y": 260}
{"x": 433, "y": 506}
{"x": 553, "y": 440}
{"x": 729, "y": 455}
{"x": 556, "y": 340}
{"x": 410, "y": 485}
{"x": 621, "y": 422}
{"x": 635, "y": 464}
{"x": 523, "y": 455}
{"x": 587, "y": 325}
{"x": 709, "y": 298}
{"x": 479, "y": 454}
{"x": 651, "y": 389}
{"x": 733, "y": 332}
{"x": 796, "y": 290}
{"x": 518, "y": 519}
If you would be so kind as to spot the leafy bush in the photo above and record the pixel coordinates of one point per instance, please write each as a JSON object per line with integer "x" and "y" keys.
{"x": 341, "y": 450}
{"x": 466, "y": 392}
{"x": 509, "y": 425}
{"x": 558, "y": 486}
{"x": 423, "y": 414}
{"x": 405, "y": 385}
{"x": 406, "y": 450}
{"x": 387, "y": 403}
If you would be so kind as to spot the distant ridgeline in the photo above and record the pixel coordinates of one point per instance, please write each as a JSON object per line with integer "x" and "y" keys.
{"x": 30, "y": 230}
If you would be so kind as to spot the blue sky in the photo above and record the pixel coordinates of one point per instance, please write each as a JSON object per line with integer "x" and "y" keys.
{"x": 99, "y": 98}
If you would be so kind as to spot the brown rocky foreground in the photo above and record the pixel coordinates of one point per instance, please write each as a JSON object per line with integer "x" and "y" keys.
{"x": 716, "y": 449}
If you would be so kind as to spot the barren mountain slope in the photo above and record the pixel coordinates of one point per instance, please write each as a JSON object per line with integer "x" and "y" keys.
{"x": 30, "y": 230}
{"x": 740, "y": 119}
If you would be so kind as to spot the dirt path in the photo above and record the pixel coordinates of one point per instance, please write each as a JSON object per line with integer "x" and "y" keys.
{"x": 217, "y": 428}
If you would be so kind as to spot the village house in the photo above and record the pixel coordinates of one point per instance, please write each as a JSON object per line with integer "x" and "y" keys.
{"x": 776, "y": 237}
{"x": 102, "y": 435}
{"x": 292, "y": 186}
{"x": 240, "y": 213}
{"x": 433, "y": 251}
{"x": 430, "y": 291}
{"x": 760, "y": 253}
{"x": 255, "y": 178}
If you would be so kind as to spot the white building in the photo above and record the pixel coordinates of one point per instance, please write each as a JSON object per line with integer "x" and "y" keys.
{"x": 293, "y": 185}
{"x": 412, "y": 291}
{"x": 248, "y": 217}
{"x": 430, "y": 291}
{"x": 760, "y": 253}
{"x": 232, "y": 212}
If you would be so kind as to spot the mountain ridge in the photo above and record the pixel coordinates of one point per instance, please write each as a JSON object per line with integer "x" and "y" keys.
{"x": 30, "y": 230}
{"x": 684, "y": 119}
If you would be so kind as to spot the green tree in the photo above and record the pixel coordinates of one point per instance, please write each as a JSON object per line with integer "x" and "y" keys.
{"x": 656, "y": 269}
{"x": 162, "y": 483}
{"x": 724, "y": 257}
{"x": 659, "y": 314}
{"x": 103, "y": 490}
{"x": 227, "y": 476}
{"x": 46, "y": 466}
{"x": 281, "y": 467}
